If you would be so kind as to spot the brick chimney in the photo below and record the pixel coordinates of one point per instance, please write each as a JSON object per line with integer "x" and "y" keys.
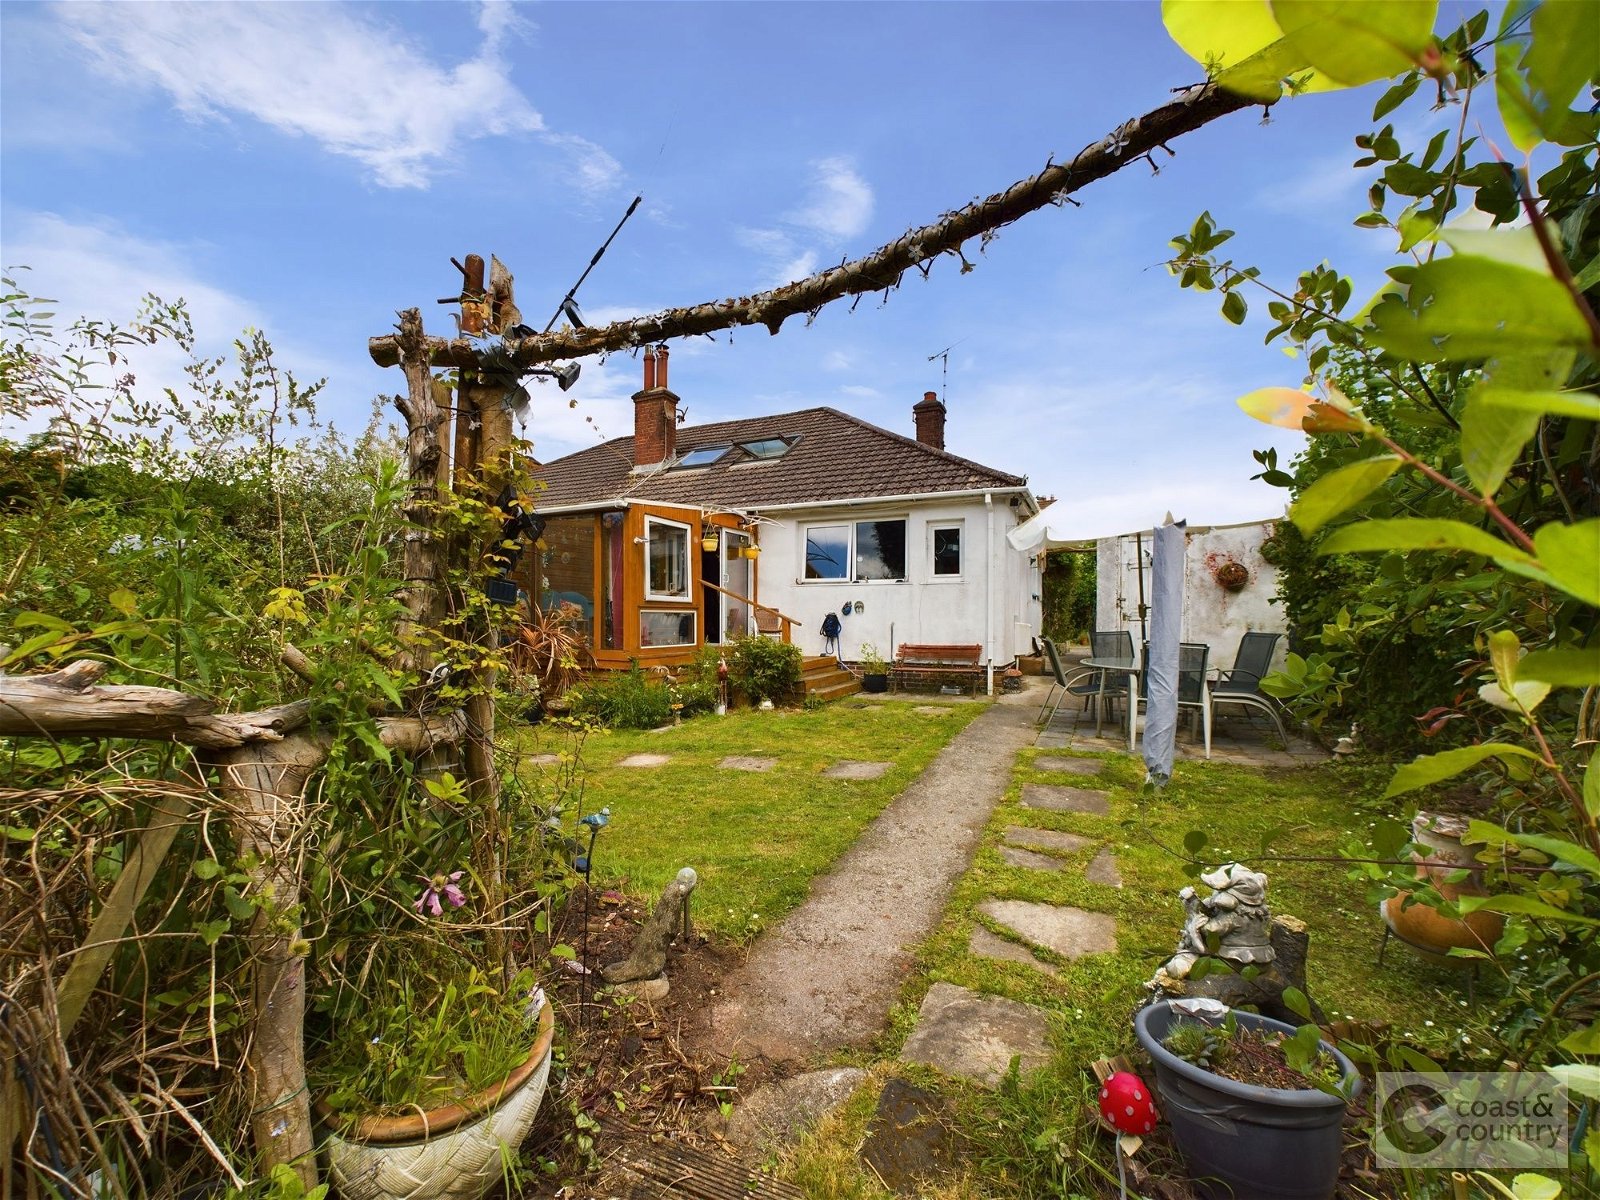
{"x": 929, "y": 413}
{"x": 655, "y": 414}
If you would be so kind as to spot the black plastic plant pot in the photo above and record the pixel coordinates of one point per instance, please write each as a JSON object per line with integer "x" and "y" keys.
{"x": 1241, "y": 1140}
{"x": 874, "y": 683}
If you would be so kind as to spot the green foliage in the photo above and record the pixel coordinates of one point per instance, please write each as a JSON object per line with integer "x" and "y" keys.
{"x": 1194, "y": 1043}
{"x": 1068, "y": 596}
{"x": 872, "y": 661}
{"x": 764, "y": 668}
{"x": 624, "y": 699}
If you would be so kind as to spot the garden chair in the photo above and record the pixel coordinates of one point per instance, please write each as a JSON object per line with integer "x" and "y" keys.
{"x": 1242, "y": 684}
{"x": 1193, "y": 694}
{"x": 1110, "y": 687}
{"x": 1085, "y": 683}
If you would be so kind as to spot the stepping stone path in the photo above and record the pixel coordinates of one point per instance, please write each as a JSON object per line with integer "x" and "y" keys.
{"x": 1071, "y": 766}
{"x": 992, "y": 945}
{"x": 1064, "y": 799}
{"x": 1104, "y": 870}
{"x": 1070, "y": 932}
{"x": 1031, "y": 859}
{"x": 745, "y": 762}
{"x": 1050, "y": 839}
{"x": 931, "y": 710}
{"x": 541, "y": 760}
{"x": 778, "y": 1114}
{"x": 857, "y": 770}
{"x": 645, "y": 760}
{"x": 910, "y": 1137}
{"x": 963, "y": 1033}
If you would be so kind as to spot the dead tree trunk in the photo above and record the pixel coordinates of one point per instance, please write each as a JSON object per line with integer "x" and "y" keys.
{"x": 878, "y": 271}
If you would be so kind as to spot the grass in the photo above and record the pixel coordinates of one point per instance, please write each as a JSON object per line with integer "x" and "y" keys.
{"x": 757, "y": 839}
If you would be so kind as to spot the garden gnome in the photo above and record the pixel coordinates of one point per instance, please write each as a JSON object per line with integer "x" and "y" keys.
{"x": 1232, "y": 923}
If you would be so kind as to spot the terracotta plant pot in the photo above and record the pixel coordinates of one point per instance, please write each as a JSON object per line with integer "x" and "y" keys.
{"x": 1424, "y": 928}
{"x": 450, "y": 1153}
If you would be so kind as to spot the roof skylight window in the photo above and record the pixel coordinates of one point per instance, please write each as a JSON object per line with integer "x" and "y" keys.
{"x": 767, "y": 447}
{"x": 704, "y": 456}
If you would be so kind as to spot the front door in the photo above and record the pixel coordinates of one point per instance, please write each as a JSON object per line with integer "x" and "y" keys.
{"x": 734, "y": 614}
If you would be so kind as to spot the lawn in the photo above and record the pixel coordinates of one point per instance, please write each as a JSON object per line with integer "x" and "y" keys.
{"x": 756, "y": 838}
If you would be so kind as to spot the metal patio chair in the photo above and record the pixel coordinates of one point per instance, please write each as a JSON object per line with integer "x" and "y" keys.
{"x": 1193, "y": 694}
{"x": 1242, "y": 684}
{"x": 1084, "y": 683}
{"x": 1111, "y": 686}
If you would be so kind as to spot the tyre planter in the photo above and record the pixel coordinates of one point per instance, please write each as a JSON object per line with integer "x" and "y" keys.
{"x": 451, "y": 1153}
{"x": 1423, "y": 928}
{"x": 874, "y": 683}
{"x": 1240, "y": 1139}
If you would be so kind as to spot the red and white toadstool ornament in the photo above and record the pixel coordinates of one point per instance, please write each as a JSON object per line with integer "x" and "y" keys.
{"x": 1125, "y": 1103}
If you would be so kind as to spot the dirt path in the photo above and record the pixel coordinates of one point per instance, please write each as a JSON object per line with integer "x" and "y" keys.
{"x": 826, "y": 975}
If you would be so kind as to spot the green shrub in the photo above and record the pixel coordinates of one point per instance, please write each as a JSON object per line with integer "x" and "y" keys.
{"x": 764, "y": 669}
{"x": 623, "y": 700}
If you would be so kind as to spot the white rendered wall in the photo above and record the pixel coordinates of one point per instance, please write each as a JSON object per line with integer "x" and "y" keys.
{"x": 922, "y": 608}
{"x": 1211, "y": 614}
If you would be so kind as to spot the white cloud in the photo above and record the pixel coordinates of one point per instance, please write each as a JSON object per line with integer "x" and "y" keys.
{"x": 838, "y": 360}
{"x": 840, "y": 204}
{"x": 838, "y": 207}
{"x": 356, "y": 86}
{"x": 102, "y": 272}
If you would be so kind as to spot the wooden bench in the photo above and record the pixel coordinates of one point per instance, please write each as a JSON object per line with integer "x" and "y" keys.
{"x": 914, "y": 661}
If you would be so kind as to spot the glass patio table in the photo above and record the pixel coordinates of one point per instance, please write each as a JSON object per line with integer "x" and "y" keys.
{"x": 1119, "y": 666}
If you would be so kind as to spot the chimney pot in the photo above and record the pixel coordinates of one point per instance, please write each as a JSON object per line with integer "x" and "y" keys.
{"x": 649, "y": 368}
{"x": 655, "y": 414}
{"x": 929, "y": 416}
{"x": 661, "y": 366}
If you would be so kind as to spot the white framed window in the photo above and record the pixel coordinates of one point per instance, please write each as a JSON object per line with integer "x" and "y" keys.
{"x": 946, "y": 551}
{"x": 859, "y": 550}
{"x": 666, "y": 555}
{"x": 660, "y": 627}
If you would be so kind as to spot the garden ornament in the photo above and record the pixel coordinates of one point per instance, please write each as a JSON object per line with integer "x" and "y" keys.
{"x": 1126, "y": 1105}
{"x": 649, "y": 955}
{"x": 1232, "y": 923}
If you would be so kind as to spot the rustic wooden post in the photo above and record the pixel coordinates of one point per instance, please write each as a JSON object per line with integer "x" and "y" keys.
{"x": 266, "y": 783}
{"x": 426, "y": 461}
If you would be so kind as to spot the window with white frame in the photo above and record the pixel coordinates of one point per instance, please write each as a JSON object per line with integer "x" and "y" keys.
{"x": 666, "y": 547}
{"x": 857, "y": 551}
{"x": 945, "y": 550}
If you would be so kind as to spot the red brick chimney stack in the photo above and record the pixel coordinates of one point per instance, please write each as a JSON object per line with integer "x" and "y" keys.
{"x": 929, "y": 414}
{"x": 655, "y": 413}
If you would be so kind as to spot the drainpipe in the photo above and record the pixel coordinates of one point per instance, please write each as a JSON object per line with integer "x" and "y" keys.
{"x": 988, "y": 589}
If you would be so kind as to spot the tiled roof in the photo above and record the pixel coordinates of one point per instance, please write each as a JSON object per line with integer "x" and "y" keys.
{"x": 834, "y": 457}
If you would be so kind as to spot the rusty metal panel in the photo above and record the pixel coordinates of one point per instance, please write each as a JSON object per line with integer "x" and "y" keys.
{"x": 650, "y": 1166}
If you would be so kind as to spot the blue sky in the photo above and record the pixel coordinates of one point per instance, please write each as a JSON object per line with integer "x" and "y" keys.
{"x": 309, "y": 169}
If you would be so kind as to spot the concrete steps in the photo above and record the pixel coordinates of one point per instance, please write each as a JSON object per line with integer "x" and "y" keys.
{"x": 822, "y": 677}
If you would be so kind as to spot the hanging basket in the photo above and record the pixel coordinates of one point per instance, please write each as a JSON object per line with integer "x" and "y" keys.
{"x": 451, "y": 1153}
{"x": 1231, "y": 576}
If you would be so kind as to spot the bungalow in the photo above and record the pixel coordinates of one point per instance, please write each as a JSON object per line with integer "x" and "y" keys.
{"x": 677, "y": 538}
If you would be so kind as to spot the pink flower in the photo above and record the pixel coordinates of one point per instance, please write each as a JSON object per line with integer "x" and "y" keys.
{"x": 447, "y": 886}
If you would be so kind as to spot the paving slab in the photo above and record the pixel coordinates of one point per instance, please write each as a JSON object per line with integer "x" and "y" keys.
{"x": 1031, "y": 859}
{"x": 541, "y": 760}
{"x": 1070, "y": 932}
{"x": 1050, "y": 839}
{"x": 931, "y": 710}
{"x": 778, "y": 1114}
{"x": 910, "y": 1138}
{"x": 645, "y": 760}
{"x": 1103, "y": 869}
{"x": 1054, "y": 798}
{"x": 747, "y": 762}
{"x": 992, "y": 945}
{"x": 974, "y": 1036}
{"x": 857, "y": 770}
{"x": 1069, "y": 766}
